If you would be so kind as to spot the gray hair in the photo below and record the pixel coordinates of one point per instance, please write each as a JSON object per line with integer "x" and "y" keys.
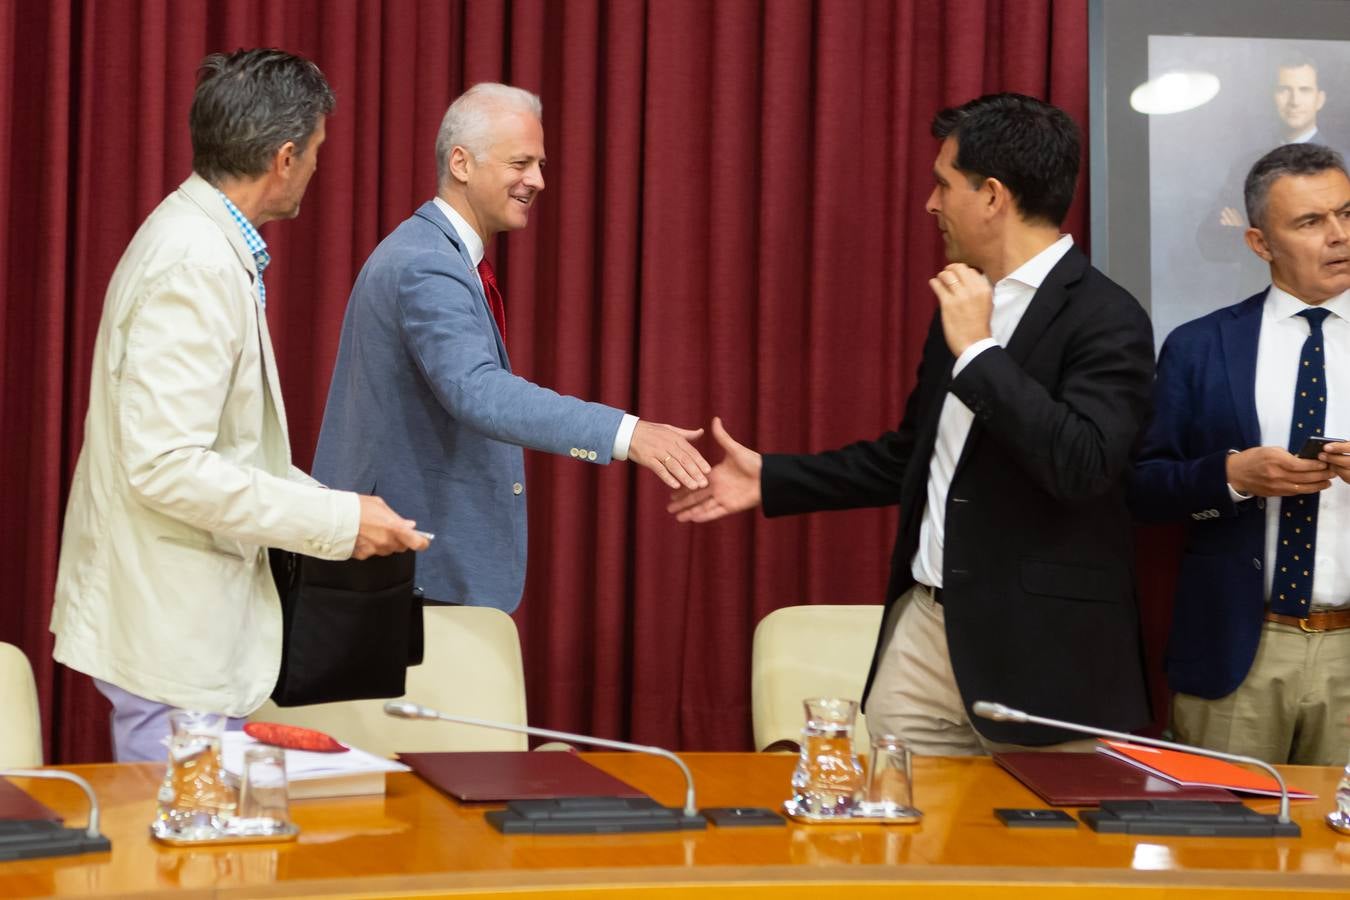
{"x": 1289, "y": 159}
{"x": 468, "y": 121}
{"x": 248, "y": 105}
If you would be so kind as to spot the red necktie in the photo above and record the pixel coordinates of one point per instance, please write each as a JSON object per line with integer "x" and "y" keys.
{"x": 494, "y": 296}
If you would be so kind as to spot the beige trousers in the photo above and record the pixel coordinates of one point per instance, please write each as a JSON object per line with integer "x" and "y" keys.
{"x": 914, "y": 695}
{"x": 1291, "y": 707}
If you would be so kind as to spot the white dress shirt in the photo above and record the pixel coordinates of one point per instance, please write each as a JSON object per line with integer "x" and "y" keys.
{"x": 474, "y": 244}
{"x": 1012, "y": 296}
{"x": 1278, "y": 351}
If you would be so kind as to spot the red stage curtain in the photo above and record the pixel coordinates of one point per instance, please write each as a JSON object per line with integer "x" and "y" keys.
{"x": 733, "y": 225}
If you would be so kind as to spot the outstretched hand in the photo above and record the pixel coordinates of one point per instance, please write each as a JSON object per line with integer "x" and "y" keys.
{"x": 732, "y": 486}
{"x": 667, "y": 451}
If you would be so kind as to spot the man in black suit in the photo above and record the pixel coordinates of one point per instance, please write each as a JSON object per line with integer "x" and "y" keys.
{"x": 1012, "y": 575}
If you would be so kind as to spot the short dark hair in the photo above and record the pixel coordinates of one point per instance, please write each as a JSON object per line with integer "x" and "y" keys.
{"x": 1296, "y": 59}
{"x": 248, "y": 105}
{"x": 1027, "y": 144}
{"x": 1288, "y": 159}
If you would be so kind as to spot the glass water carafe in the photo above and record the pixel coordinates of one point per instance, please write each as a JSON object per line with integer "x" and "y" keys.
{"x": 195, "y": 800}
{"x": 828, "y": 777}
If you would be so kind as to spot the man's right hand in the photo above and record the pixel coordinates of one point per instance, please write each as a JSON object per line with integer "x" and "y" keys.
{"x": 1275, "y": 472}
{"x": 733, "y": 484}
{"x": 384, "y": 531}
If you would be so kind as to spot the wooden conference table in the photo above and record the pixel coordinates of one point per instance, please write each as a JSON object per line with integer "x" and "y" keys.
{"x": 415, "y": 842}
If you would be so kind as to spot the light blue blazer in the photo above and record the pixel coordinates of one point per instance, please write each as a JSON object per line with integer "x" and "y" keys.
{"x": 423, "y": 411}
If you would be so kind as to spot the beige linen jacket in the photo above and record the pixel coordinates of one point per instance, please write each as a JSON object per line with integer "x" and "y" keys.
{"x": 185, "y": 477}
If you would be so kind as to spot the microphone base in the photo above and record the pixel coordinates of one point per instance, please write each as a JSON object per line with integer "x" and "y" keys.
{"x": 591, "y": 815}
{"x": 33, "y": 839}
{"x": 1185, "y": 818}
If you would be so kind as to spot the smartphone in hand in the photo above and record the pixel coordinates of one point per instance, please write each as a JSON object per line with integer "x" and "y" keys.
{"x": 1313, "y": 446}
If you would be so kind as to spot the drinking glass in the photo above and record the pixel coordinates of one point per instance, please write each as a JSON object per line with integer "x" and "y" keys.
{"x": 263, "y": 807}
{"x": 890, "y": 779}
{"x": 828, "y": 776}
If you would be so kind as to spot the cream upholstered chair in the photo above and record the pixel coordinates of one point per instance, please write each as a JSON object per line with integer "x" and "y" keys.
{"x": 808, "y": 651}
{"x": 471, "y": 667}
{"x": 20, "y": 723}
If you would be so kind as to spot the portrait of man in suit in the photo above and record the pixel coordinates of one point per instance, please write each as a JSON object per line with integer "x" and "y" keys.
{"x": 423, "y": 402}
{"x": 1012, "y": 574}
{"x": 1299, "y": 95}
{"x": 1259, "y": 652}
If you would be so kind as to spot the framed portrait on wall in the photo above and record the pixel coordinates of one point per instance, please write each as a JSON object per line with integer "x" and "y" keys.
{"x": 1186, "y": 95}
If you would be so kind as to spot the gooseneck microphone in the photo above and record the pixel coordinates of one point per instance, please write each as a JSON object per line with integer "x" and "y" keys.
{"x": 32, "y": 839}
{"x": 1171, "y": 816}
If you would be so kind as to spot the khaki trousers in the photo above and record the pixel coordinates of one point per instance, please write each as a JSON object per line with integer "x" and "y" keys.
{"x": 1291, "y": 707}
{"x": 914, "y": 694}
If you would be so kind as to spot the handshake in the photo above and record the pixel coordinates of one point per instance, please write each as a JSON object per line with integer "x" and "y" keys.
{"x": 702, "y": 492}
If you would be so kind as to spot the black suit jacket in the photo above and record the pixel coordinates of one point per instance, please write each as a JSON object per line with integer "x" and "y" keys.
{"x": 1038, "y": 559}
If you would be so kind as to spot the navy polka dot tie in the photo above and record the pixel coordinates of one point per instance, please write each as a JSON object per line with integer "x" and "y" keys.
{"x": 1291, "y": 586}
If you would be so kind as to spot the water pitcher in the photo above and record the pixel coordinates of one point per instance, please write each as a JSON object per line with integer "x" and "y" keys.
{"x": 828, "y": 777}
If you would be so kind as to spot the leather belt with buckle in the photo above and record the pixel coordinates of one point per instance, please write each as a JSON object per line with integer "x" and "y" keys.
{"x": 1330, "y": 620}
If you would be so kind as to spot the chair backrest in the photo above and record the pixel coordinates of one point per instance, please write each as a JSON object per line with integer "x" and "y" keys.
{"x": 20, "y": 723}
{"x": 809, "y": 651}
{"x": 472, "y": 667}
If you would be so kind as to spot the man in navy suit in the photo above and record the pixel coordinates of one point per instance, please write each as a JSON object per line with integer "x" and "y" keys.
{"x": 423, "y": 401}
{"x": 1259, "y": 654}
{"x": 1012, "y": 577}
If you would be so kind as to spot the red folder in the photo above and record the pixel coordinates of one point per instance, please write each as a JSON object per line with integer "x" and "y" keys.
{"x": 18, "y": 805}
{"x": 515, "y": 775}
{"x": 1086, "y": 779}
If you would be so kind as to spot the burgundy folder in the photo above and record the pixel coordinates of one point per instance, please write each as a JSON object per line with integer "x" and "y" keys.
{"x": 19, "y": 805}
{"x": 515, "y": 775}
{"x": 1086, "y": 779}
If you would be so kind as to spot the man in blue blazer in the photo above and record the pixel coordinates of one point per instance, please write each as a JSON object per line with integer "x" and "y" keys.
{"x": 1259, "y": 654}
{"x": 423, "y": 401}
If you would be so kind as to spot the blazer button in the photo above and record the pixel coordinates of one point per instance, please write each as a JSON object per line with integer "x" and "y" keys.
{"x": 575, "y": 452}
{"x": 591, "y": 455}
{"x": 1256, "y": 563}
{"x": 517, "y": 488}
{"x": 1260, "y": 502}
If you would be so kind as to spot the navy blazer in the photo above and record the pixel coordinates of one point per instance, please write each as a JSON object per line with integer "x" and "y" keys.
{"x": 1205, "y": 406}
{"x": 424, "y": 411}
{"x": 1038, "y": 564}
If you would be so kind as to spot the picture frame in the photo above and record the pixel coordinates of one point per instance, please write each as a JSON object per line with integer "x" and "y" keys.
{"x": 1165, "y": 185}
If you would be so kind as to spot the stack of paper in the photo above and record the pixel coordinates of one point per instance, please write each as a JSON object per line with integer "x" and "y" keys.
{"x": 349, "y": 773}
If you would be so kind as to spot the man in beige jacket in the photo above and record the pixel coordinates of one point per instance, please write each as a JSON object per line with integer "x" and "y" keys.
{"x": 164, "y": 595}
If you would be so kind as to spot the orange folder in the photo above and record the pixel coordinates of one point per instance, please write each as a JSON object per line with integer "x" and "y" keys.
{"x": 1198, "y": 771}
